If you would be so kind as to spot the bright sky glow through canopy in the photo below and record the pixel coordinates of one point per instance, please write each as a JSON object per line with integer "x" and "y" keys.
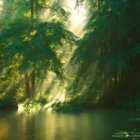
{"x": 78, "y": 16}
{"x": 1, "y": 3}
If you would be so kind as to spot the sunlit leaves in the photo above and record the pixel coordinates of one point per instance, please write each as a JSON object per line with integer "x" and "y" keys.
{"x": 35, "y": 42}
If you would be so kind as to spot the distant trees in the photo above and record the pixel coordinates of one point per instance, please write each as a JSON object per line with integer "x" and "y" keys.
{"x": 105, "y": 64}
{"x": 108, "y": 55}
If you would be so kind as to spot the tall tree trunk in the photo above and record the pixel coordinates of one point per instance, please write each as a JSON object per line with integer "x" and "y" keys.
{"x": 100, "y": 53}
{"x": 26, "y": 75}
{"x": 33, "y": 73}
{"x": 32, "y": 9}
{"x": 33, "y": 83}
{"x": 36, "y": 11}
{"x": 27, "y": 84}
{"x": 99, "y": 7}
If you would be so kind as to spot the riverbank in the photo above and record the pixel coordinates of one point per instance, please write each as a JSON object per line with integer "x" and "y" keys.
{"x": 8, "y": 102}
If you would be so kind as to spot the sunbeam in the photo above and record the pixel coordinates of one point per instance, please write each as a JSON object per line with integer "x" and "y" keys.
{"x": 1, "y": 4}
{"x": 78, "y": 17}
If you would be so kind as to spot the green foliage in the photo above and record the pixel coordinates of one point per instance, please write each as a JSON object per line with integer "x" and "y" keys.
{"x": 136, "y": 50}
{"x": 29, "y": 48}
{"x": 21, "y": 9}
{"x": 105, "y": 63}
{"x": 8, "y": 102}
{"x": 42, "y": 100}
{"x": 36, "y": 103}
{"x": 74, "y": 105}
{"x": 107, "y": 57}
{"x": 33, "y": 43}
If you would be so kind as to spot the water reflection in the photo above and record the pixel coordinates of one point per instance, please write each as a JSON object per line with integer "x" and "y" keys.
{"x": 95, "y": 125}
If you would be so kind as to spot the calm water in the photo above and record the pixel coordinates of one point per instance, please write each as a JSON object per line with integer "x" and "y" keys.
{"x": 95, "y": 125}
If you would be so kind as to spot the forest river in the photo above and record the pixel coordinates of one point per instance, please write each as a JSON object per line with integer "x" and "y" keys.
{"x": 44, "y": 125}
{"x": 116, "y": 56}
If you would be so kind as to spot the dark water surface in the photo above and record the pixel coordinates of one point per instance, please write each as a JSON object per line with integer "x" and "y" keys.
{"x": 43, "y": 125}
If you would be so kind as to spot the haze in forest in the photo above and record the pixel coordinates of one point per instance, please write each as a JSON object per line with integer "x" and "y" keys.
{"x": 62, "y": 53}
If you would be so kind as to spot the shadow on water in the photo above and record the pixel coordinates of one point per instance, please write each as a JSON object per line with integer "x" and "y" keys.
{"x": 94, "y": 125}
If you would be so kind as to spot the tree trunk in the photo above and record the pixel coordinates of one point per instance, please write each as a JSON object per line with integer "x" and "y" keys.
{"x": 33, "y": 83}
{"x": 99, "y": 7}
{"x": 27, "y": 84}
{"x": 33, "y": 73}
{"x": 36, "y": 11}
{"x": 32, "y": 9}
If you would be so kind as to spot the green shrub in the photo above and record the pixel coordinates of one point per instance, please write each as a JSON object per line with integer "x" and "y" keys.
{"x": 8, "y": 102}
{"x": 35, "y": 103}
{"x": 71, "y": 106}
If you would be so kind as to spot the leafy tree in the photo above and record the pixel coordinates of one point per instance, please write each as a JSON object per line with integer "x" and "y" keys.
{"x": 108, "y": 54}
{"x": 29, "y": 46}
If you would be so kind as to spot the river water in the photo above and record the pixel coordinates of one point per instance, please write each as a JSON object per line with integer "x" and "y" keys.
{"x": 44, "y": 125}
